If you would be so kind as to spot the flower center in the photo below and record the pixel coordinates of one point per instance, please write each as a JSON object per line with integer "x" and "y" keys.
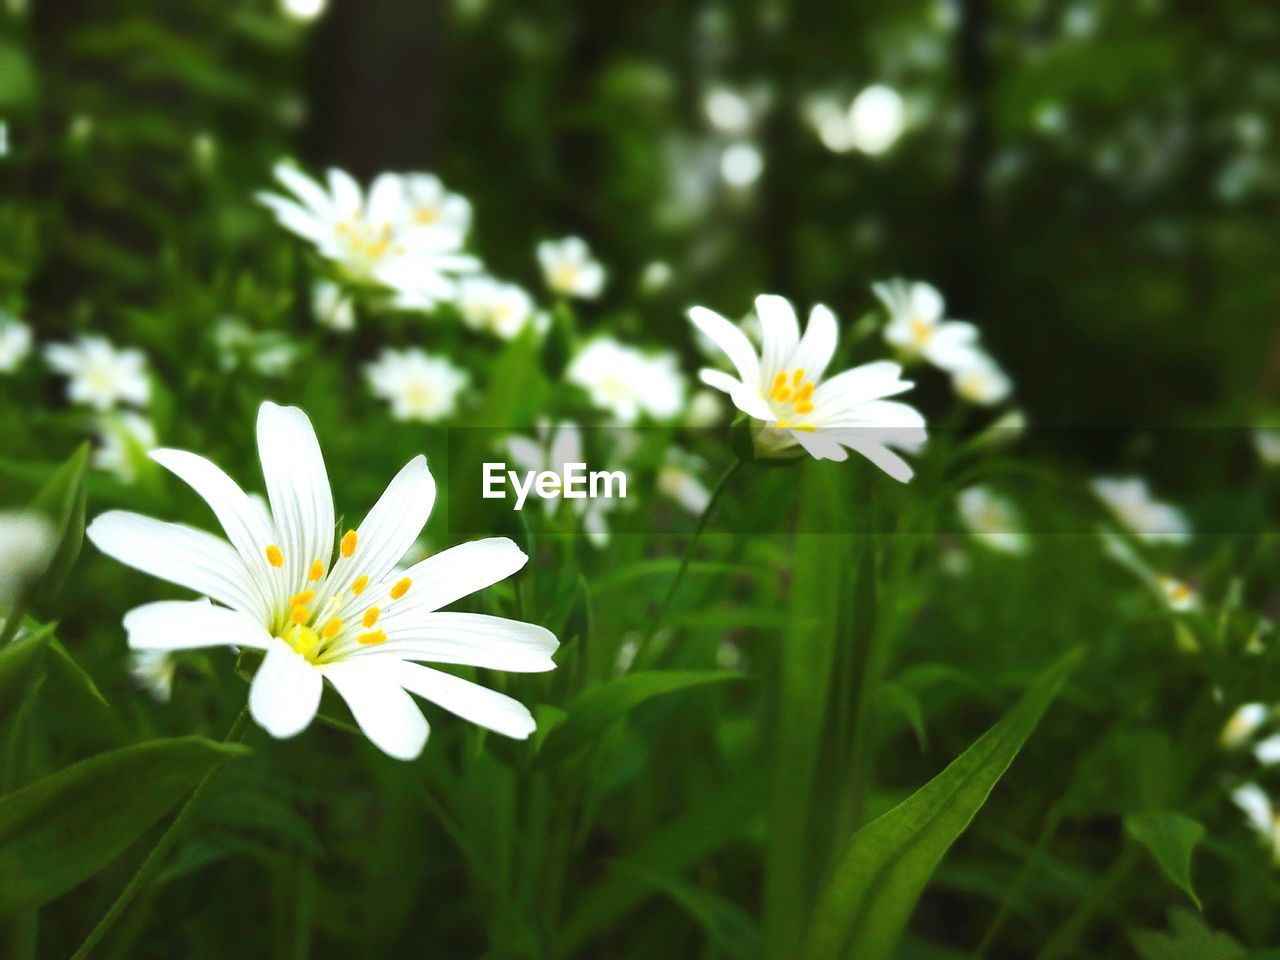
{"x": 365, "y": 241}
{"x": 564, "y": 276}
{"x": 921, "y": 331}
{"x": 791, "y": 398}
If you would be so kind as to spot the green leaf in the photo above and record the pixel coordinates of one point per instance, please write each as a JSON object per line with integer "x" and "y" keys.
{"x": 880, "y": 875}
{"x": 729, "y": 928}
{"x": 62, "y": 500}
{"x": 72, "y": 671}
{"x": 61, "y": 830}
{"x": 595, "y": 711}
{"x": 1170, "y": 838}
{"x": 17, "y": 661}
{"x": 1188, "y": 939}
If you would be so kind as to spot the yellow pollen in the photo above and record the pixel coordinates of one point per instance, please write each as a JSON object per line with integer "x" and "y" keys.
{"x": 372, "y": 637}
{"x": 782, "y": 394}
{"x": 370, "y": 616}
{"x": 304, "y": 640}
{"x": 316, "y": 571}
{"x": 331, "y": 628}
{"x": 299, "y": 614}
{"x": 275, "y": 556}
{"x": 805, "y": 392}
{"x": 804, "y": 406}
{"x": 348, "y": 543}
{"x": 401, "y": 588}
{"x": 780, "y": 381}
{"x": 306, "y": 596}
{"x": 358, "y": 587}
{"x": 797, "y": 378}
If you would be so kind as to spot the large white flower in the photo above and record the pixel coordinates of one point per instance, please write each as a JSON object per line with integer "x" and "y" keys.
{"x": 569, "y": 268}
{"x": 491, "y": 306}
{"x": 324, "y": 611}
{"x": 15, "y": 343}
{"x": 628, "y": 382}
{"x": 918, "y": 326}
{"x": 1130, "y": 499}
{"x": 417, "y": 385}
{"x": 99, "y": 375}
{"x": 783, "y": 390}
{"x": 374, "y": 238}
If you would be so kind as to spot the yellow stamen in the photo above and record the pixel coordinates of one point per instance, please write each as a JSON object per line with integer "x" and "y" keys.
{"x": 805, "y": 392}
{"x": 348, "y": 546}
{"x": 299, "y": 614}
{"x": 804, "y": 406}
{"x": 331, "y": 628}
{"x": 372, "y": 637}
{"x": 780, "y": 424}
{"x": 370, "y": 616}
{"x": 401, "y": 588}
{"x": 316, "y": 571}
{"x": 306, "y": 596}
{"x": 275, "y": 556}
{"x": 782, "y": 394}
{"x": 304, "y": 640}
{"x": 358, "y": 587}
{"x": 779, "y": 381}
{"x": 797, "y": 378}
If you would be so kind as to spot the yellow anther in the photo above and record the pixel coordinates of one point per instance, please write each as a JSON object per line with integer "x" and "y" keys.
{"x": 780, "y": 381}
{"x": 782, "y": 394}
{"x": 304, "y": 640}
{"x": 372, "y": 637}
{"x": 797, "y": 378}
{"x": 358, "y": 587}
{"x": 316, "y": 571}
{"x": 299, "y": 614}
{"x": 275, "y": 556}
{"x": 805, "y": 392}
{"x": 401, "y": 588}
{"x": 370, "y": 616}
{"x": 781, "y": 423}
{"x": 306, "y": 596}
{"x": 348, "y": 546}
{"x": 804, "y": 406}
{"x": 331, "y": 628}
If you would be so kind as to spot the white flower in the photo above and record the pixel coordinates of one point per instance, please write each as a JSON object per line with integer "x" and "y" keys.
{"x": 27, "y": 542}
{"x": 268, "y": 352}
{"x": 153, "y": 671}
{"x": 491, "y": 306}
{"x": 15, "y": 343}
{"x": 705, "y": 409}
{"x": 100, "y": 376}
{"x": 982, "y": 382}
{"x": 429, "y": 204}
{"x": 321, "y": 611}
{"x": 782, "y": 389}
{"x": 1180, "y": 595}
{"x": 1265, "y": 440}
{"x": 1260, "y": 814}
{"x": 917, "y": 326}
{"x": 331, "y": 306}
{"x": 876, "y": 120}
{"x": 1243, "y": 723}
{"x": 678, "y": 479}
{"x": 551, "y": 451}
{"x": 1131, "y": 502}
{"x": 569, "y": 269}
{"x": 122, "y": 437}
{"x": 374, "y": 238}
{"x": 992, "y": 520}
{"x": 627, "y": 382}
{"x": 1267, "y": 752}
{"x": 417, "y": 385}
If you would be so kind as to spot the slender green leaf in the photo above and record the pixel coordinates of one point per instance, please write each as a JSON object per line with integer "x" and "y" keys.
{"x": 62, "y": 500}
{"x": 598, "y": 709}
{"x": 1170, "y": 838}
{"x": 61, "y": 830}
{"x": 17, "y": 661}
{"x": 882, "y": 872}
{"x": 70, "y": 668}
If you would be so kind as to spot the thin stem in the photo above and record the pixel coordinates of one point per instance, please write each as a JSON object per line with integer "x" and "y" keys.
{"x": 688, "y": 550}
{"x": 162, "y": 847}
{"x": 14, "y": 622}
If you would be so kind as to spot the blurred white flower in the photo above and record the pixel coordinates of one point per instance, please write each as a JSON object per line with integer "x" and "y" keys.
{"x": 656, "y": 276}
{"x": 418, "y": 386}
{"x": 303, "y": 9}
{"x": 705, "y": 410}
{"x": 728, "y": 111}
{"x": 15, "y": 343}
{"x": 628, "y": 382}
{"x": 569, "y": 269}
{"x": 124, "y": 437}
{"x": 374, "y": 238}
{"x": 323, "y": 611}
{"x": 1243, "y": 723}
{"x": 429, "y": 204}
{"x": 729, "y": 656}
{"x": 1267, "y": 752}
{"x": 1266, "y": 441}
{"x": 27, "y": 542}
{"x": 917, "y": 326}
{"x": 992, "y": 520}
{"x": 1130, "y": 500}
{"x": 782, "y": 390}
{"x": 269, "y": 352}
{"x": 1180, "y": 595}
{"x": 550, "y": 450}
{"x": 626, "y": 655}
{"x": 491, "y": 306}
{"x": 1260, "y": 814}
{"x": 99, "y": 375}
{"x": 152, "y": 671}
{"x": 877, "y": 118}
{"x": 741, "y": 164}
{"x": 678, "y": 479}
{"x": 982, "y": 382}
{"x": 332, "y": 307}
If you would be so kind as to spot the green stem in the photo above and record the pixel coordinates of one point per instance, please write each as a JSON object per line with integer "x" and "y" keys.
{"x": 14, "y": 622}
{"x": 162, "y": 847}
{"x": 688, "y": 550}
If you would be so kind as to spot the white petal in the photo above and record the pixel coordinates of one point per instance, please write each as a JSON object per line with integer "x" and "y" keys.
{"x": 298, "y": 488}
{"x": 744, "y": 396}
{"x": 780, "y": 333}
{"x": 1255, "y": 803}
{"x": 847, "y": 390}
{"x": 729, "y": 338}
{"x": 347, "y": 199}
{"x": 386, "y": 199}
{"x": 188, "y": 624}
{"x": 296, "y": 218}
{"x": 474, "y": 639}
{"x": 818, "y": 345}
{"x": 312, "y": 195}
{"x": 954, "y": 346}
{"x": 453, "y": 574}
{"x": 179, "y": 554}
{"x": 470, "y": 701}
{"x": 285, "y": 692}
{"x": 387, "y": 715}
{"x": 926, "y": 302}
